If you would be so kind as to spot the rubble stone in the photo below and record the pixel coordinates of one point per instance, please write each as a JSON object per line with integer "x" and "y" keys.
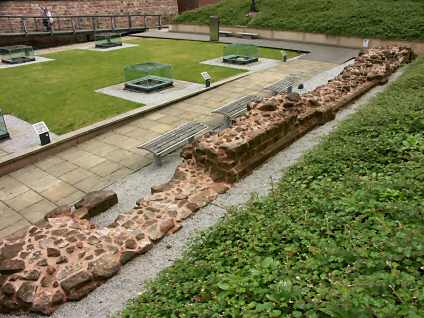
{"x": 97, "y": 202}
{"x": 26, "y": 292}
{"x": 11, "y": 266}
{"x": 75, "y": 280}
{"x": 63, "y": 210}
{"x": 10, "y": 250}
{"x": 52, "y": 252}
{"x": 32, "y": 275}
{"x": 106, "y": 266}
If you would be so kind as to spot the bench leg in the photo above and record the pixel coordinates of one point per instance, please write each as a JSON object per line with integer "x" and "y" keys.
{"x": 227, "y": 123}
{"x": 289, "y": 89}
{"x": 158, "y": 161}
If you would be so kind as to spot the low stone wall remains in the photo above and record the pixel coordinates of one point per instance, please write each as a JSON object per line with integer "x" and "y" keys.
{"x": 66, "y": 257}
{"x": 276, "y": 122}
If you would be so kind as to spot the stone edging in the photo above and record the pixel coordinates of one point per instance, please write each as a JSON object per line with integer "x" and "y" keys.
{"x": 303, "y": 37}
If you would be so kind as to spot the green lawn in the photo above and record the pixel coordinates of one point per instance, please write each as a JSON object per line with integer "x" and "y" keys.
{"x": 342, "y": 234}
{"x": 62, "y": 92}
{"x": 388, "y": 19}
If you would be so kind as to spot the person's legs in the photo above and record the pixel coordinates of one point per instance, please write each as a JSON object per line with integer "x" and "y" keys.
{"x": 46, "y": 24}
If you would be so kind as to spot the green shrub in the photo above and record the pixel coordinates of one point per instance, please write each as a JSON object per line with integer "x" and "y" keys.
{"x": 387, "y": 19}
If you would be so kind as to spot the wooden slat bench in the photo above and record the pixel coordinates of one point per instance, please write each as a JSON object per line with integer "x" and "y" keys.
{"x": 174, "y": 139}
{"x": 247, "y": 35}
{"x": 236, "y": 108}
{"x": 283, "y": 86}
{"x": 226, "y": 33}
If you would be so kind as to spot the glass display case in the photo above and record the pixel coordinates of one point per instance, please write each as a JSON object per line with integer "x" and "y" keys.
{"x": 3, "y": 129}
{"x": 148, "y": 77}
{"x": 240, "y": 54}
{"x": 108, "y": 40}
{"x": 17, "y": 54}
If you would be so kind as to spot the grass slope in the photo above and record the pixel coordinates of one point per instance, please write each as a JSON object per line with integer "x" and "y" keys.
{"x": 342, "y": 235}
{"x": 388, "y": 19}
{"x": 62, "y": 92}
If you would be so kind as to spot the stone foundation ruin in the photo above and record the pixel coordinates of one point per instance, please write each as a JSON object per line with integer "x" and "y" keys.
{"x": 66, "y": 257}
{"x": 277, "y": 121}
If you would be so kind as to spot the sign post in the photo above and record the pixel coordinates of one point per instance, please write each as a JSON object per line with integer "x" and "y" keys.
{"x": 365, "y": 43}
{"x": 207, "y": 78}
{"x": 284, "y": 55}
{"x": 42, "y": 131}
{"x": 214, "y": 28}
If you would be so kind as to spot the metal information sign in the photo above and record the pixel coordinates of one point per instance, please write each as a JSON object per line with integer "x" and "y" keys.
{"x": 40, "y": 128}
{"x": 205, "y": 76}
{"x": 365, "y": 43}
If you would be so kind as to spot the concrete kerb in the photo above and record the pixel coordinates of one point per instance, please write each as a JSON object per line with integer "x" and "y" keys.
{"x": 19, "y": 160}
{"x": 302, "y": 52}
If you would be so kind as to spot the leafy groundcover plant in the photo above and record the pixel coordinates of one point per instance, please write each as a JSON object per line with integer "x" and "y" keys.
{"x": 387, "y": 19}
{"x": 342, "y": 235}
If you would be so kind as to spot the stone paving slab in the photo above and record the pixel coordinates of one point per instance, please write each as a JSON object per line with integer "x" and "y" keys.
{"x": 262, "y": 64}
{"x": 65, "y": 177}
{"x": 22, "y": 136}
{"x": 179, "y": 90}
{"x": 38, "y": 59}
{"x": 93, "y": 48}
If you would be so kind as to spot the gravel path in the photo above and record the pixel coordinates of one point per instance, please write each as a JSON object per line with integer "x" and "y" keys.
{"x": 114, "y": 294}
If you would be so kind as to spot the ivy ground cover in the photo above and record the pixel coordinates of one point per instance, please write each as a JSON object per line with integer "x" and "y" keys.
{"x": 386, "y": 19}
{"x": 341, "y": 235}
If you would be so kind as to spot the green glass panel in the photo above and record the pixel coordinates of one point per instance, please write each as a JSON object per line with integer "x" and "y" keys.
{"x": 137, "y": 71}
{"x": 3, "y": 129}
{"x": 108, "y": 40}
{"x": 17, "y": 52}
{"x": 247, "y": 50}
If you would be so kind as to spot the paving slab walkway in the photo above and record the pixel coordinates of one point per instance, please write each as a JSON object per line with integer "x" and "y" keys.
{"x": 317, "y": 52}
{"x": 27, "y": 194}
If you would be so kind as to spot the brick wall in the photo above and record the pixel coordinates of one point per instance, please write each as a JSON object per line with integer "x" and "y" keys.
{"x": 88, "y": 7}
{"x": 167, "y": 8}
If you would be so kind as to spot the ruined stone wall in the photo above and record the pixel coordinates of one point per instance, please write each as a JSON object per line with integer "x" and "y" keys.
{"x": 66, "y": 257}
{"x": 275, "y": 122}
